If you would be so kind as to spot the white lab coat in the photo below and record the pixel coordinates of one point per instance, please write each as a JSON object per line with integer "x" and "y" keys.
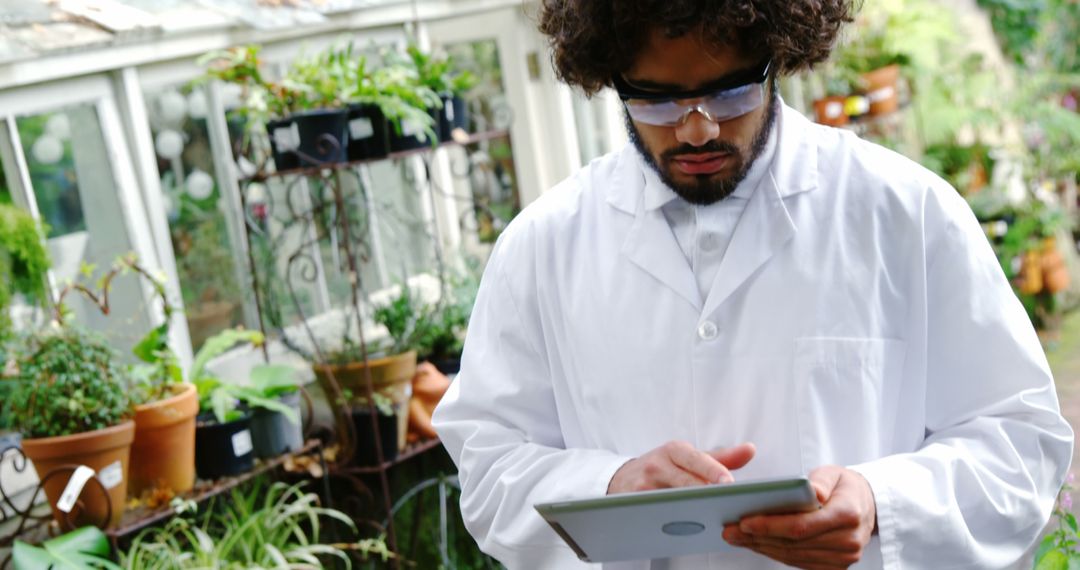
{"x": 859, "y": 318}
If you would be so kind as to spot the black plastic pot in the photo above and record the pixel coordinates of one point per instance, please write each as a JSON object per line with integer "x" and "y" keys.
{"x": 273, "y": 433}
{"x": 225, "y": 449}
{"x": 447, "y": 365}
{"x": 365, "y": 437}
{"x": 368, "y": 133}
{"x": 412, "y": 137}
{"x": 284, "y": 141}
{"x": 311, "y": 138}
{"x": 453, "y": 115}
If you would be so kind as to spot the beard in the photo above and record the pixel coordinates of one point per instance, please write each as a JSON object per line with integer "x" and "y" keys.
{"x": 705, "y": 189}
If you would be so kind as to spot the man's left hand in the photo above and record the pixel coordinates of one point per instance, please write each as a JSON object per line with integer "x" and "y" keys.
{"x": 831, "y": 537}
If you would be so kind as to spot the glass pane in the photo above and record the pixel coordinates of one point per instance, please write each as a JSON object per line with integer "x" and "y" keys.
{"x": 591, "y": 123}
{"x": 48, "y": 145}
{"x": 487, "y": 167}
{"x": 76, "y": 191}
{"x": 206, "y": 261}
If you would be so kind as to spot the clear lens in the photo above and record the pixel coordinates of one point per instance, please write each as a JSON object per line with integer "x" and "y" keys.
{"x": 718, "y": 107}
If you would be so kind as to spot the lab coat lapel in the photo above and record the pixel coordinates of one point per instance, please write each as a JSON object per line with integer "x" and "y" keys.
{"x": 652, "y": 247}
{"x": 649, "y": 243}
{"x": 764, "y": 227}
{"x": 766, "y": 224}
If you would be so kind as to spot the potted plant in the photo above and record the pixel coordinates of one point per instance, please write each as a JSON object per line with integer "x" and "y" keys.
{"x": 303, "y": 114}
{"x": 878, "y": 68}
{"x": 163, "y": 452}
{"x": 388, "y": 421}
{"x": 312, "y": 120}
{"x": 69, "y": 399}
{"x": 223, "y": 442}
{"x": 442, "y": 336}
{"x": 437, "y": 73}
{"x": 839, "y": 84}
{"x": 391, "y": 362}
{"x": 412, "y": 108}
{"x": 274, "y": 400}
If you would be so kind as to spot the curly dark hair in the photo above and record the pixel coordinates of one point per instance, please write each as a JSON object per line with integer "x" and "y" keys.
{"x": 592, "y": 40}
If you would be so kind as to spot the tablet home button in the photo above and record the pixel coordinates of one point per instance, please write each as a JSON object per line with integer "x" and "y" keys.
{"x": 683, "y": 528}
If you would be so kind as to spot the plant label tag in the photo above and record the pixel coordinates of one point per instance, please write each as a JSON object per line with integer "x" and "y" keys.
{"x": 410, "y": 128}
{"x": 361, "y": 128}
{"x": 112, "y": 475}
{"x": 74, "y": 488}
{"x": 241, "y": 443}
{"x": 287, "y": 138}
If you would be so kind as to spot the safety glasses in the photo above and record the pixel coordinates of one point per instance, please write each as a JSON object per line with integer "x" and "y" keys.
{"x": 727, "y": 99}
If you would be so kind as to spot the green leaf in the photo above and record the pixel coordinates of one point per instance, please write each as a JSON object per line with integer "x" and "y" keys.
{"x": 223, "y": 403}
{"x": 1053, "y": 560}
{"x": 1071, "y": 521}
{"x": 273, "y": 380}
{"x": 254, "y": 398}
{"x": 218, "y": 344}
{"x": 26, "y": 557}
{"x": 1047, "y": 544}
{"x": 81, "y": 549}
{"x": 154, "y": 341}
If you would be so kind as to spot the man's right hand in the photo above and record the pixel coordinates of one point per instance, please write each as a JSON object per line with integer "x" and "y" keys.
{"x": 679, "y": 464}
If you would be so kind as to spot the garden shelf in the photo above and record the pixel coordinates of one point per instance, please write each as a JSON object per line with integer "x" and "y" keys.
{"x": 34, "y": 523}
{"x": 315, "y": 170}
{"x": 137, "y": 519}
{"x": 408, "y": 453}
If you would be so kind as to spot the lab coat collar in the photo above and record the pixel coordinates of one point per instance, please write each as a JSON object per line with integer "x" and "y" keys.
{"x": 764, "y": 227}
{"x": 794, "y": 168}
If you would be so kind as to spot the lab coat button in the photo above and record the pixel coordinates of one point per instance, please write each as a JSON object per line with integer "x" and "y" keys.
{"x": 708, "y": 330}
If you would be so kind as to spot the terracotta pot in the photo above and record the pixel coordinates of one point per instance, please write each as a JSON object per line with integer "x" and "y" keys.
{"x": 1031, "y": 282}
{"x": 163, "y": 455}
{"x": 208, "y": 319}
{"x": 1055, "y": 275}
{"x": 106, "y": 451}
{"x": 881, "y": 89}
{"x": 830, "y": 111}
{"x": 391, "y": 377}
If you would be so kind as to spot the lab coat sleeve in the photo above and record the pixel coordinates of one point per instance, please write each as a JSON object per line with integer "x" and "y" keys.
{"x": 500, "y": 423}
{"x": 978, "y": 490}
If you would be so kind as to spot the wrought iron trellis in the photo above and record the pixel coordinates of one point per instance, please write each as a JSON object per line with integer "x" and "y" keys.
{"x": 25, "y": 512}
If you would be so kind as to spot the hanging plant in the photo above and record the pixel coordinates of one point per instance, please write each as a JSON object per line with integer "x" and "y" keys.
{"x": 24, "y": 261}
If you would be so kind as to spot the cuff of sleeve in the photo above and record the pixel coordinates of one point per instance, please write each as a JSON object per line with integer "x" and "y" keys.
{"x": 605, "y": 472}
{"x": 879, "y": 475}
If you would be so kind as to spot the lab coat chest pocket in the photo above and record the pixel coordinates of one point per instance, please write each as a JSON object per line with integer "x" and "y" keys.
{"x": 844, "y": 388}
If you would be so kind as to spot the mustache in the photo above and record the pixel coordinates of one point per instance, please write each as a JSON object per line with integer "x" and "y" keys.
{"x": 709, "y": 147}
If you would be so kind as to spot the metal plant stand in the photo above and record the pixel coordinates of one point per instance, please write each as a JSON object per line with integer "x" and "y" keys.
{"x": 306, "y": 215}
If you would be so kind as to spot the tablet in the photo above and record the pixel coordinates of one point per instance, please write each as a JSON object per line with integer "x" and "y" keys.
{"x": 670, "y": 522}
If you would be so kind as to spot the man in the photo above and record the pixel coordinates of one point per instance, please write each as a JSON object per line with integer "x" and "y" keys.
{"x": 743, "y": 293}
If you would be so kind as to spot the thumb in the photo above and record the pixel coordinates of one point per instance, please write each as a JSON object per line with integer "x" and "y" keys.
{"x": 824, "y": 480}
{"x": 734, "y": 457}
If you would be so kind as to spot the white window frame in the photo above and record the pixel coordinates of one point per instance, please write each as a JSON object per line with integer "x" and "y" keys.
{"x": 98, "y": 91}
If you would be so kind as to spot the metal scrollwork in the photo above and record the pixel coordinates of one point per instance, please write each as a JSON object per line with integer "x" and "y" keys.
{"x": 31, "y": 518}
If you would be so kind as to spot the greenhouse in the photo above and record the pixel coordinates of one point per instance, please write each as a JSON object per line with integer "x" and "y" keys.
{"x": 539, "y": 284}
